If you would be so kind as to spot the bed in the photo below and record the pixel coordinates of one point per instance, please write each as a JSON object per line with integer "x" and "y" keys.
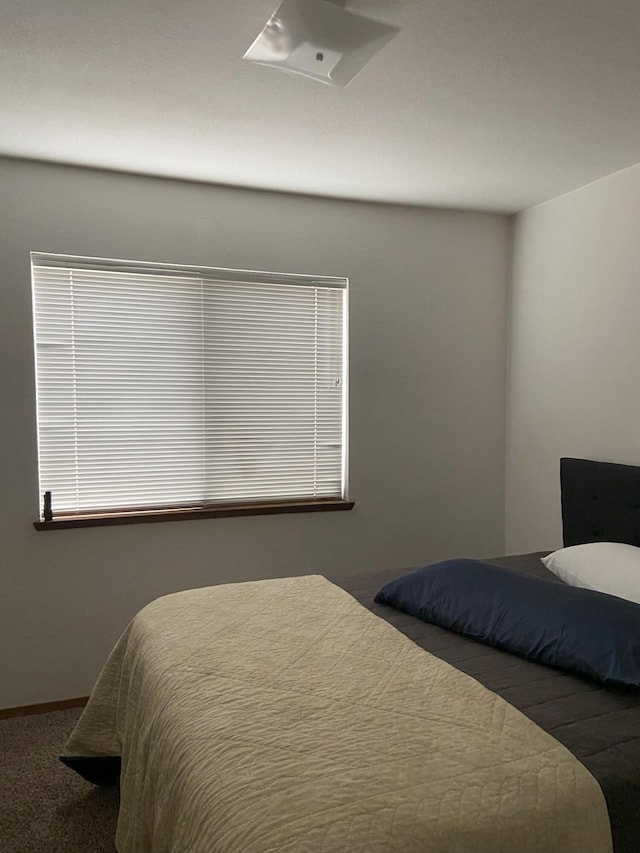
{"x": 298, "y": 715}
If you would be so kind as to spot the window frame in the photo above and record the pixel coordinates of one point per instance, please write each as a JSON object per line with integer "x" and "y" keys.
{"x": 136, "y": 515}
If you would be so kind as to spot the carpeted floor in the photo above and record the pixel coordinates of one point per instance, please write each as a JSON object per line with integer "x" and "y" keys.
{"x": 44, "y": 806}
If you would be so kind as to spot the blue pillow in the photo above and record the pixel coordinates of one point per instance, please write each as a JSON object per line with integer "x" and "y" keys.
{"x": 577, "y": 630}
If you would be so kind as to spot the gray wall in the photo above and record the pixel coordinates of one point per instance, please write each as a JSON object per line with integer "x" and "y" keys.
{"x": 574, "y": 362}
{"x": 428, "y": 332}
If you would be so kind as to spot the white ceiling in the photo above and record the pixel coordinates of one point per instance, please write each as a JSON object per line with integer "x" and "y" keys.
{"x": 486, "y": 104}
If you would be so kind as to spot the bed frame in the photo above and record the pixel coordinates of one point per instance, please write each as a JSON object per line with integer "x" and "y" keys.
{"x": 600, "y": 502}
{"x": 600, "y": 727}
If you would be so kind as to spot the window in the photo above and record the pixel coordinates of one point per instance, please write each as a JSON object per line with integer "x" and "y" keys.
{"x": 167, "y": 388}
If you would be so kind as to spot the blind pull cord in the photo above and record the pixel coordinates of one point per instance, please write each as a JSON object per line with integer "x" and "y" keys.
{"x": 47, "y": 512}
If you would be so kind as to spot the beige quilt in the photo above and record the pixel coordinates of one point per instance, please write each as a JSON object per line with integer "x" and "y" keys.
{"x": 281, "y": 716}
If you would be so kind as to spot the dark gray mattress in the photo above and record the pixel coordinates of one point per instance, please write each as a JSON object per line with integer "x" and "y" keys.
{"x": 601, "y": 727}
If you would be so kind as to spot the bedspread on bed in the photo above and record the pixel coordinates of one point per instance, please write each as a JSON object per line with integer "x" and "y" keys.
{"x": 599, "y": 726}
{"x": 281, "y": 716}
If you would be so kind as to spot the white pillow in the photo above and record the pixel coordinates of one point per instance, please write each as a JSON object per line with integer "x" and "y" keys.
{"x": 609, "y": 567}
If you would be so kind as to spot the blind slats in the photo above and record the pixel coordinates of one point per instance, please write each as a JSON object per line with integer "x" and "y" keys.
{"x": 164, "y": 387}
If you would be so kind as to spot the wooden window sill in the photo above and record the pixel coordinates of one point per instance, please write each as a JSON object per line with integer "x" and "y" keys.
{"x": 222, "y": 511}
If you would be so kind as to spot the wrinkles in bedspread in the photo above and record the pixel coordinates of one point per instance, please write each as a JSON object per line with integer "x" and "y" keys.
{"x": 281, "y": 716}
{"x": 601, "y": 727}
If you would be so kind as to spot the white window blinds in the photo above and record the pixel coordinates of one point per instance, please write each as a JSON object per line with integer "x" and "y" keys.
{"x": 169, "y": 387}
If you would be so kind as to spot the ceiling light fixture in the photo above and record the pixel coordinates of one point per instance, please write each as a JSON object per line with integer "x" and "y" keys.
{"x": 320, "y": 40}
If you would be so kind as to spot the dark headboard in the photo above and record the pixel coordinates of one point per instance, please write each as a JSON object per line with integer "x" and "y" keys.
{"x": 600, "y": 502}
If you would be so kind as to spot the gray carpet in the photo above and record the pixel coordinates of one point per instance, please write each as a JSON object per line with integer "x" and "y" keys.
{"x": 44, "y": 806}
